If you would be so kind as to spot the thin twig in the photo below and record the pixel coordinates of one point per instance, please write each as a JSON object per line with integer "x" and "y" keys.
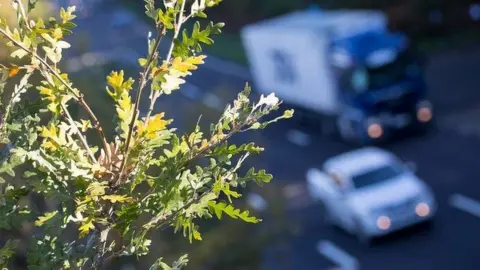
{"x": 141, "y": 85}
{"x": 178, "y": 26}
{"x": 78, "y": 97}
{"x": 79, "y": 133}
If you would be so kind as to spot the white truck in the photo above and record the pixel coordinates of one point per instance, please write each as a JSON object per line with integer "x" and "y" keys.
{"x": 344, "y": 66}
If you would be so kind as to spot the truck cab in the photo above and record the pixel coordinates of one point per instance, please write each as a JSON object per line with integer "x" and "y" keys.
{"x": 381, "y": 85}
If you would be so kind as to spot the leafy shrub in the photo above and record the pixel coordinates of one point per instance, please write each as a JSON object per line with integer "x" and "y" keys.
{"x": 145, "y": 177}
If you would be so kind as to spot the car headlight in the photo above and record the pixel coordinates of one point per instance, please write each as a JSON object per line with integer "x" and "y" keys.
{"x": 423, "y": 209}
{"x": 424, "y": 111}
{"x": 425, "y": 203}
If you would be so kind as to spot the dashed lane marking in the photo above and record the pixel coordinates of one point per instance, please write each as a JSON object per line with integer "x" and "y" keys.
{"x": 337, "y": 255}
{"x": 298, "y": 137}
{"x": 465, "y": 204}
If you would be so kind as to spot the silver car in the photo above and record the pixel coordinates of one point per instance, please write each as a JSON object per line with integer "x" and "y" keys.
{"x": 369, "y": 192}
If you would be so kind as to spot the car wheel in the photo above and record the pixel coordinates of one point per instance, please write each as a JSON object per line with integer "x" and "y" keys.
{"x": 327, "y": 216}
{"x": 361, "y": 235}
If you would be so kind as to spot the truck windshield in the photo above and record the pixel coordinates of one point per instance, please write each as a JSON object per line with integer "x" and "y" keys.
{"x": 377, "y": 175}
{"x": 391, "y": 73}
{"x": 362, "y": 79}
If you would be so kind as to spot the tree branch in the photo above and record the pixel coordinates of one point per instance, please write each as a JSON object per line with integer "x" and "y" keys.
{"x": 178, "y": 26}
{"x": 78, "y": 97}
{"x": 141, "y": 85}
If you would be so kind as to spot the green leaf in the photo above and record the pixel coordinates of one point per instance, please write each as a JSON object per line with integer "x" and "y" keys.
{"x": 7, "y": 251}
{"x": 225, "y": 188}
{"x": 219, "y": 208}
{"x": 150, "y": 9}
{"x": 31, "y": 4}
{"x": 43, "y": 219}
{"x": 177, "y": 265}
{"x": 259, "y": 177}
{"x": 142, "y": 62}
{"x": 167, "y": 18}
{"x": 32, "y": 137}
{"x": 288, "y": 114}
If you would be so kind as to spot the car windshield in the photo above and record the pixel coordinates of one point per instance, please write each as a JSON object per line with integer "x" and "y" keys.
{"x": 376, "y": 175}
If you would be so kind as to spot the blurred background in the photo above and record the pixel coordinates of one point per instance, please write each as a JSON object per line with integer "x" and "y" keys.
{"x": 112, "y": 35}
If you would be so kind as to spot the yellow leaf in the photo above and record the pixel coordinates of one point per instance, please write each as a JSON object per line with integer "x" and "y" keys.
{"x": 42, "y": 219}
{"x": 157, "y": 123}
{"x": 154, "y": 125}
{"x": 62, "y": 137}
{"x": 140, "y": 127}
{"x": 158, "y": 70}
{"x": 117, "y": 198}
{"x": 97, "y": 188}
{"x": 86, "y": 124}
{"x": 197, "y": 235}
{"x": 50, "y": 145}
{"x": 13, "y": 71}
{"x": 189, "y": 64}
{"x": 45, "y": 91}
{"x": 182, "y": 66}
{"x": 49, "y": 132}
{"x": 54, "y": 107}
{"x": 196, "y": 60}
{"x": 204, "y": 144}
{"x": 86, "y": 226}
{"x": 115, "y": 79}
{"x": 57, "y": 33}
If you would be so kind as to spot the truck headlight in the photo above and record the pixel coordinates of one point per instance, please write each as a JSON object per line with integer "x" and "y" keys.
{"x": 374, "y": 129}
{"x": 424, "y": 111}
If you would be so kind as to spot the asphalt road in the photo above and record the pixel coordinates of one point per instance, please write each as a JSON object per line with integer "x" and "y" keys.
{"x": 447, "y": 159}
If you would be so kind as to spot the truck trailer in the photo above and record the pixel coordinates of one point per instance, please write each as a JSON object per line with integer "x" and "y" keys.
{"x": 344, "y": 70}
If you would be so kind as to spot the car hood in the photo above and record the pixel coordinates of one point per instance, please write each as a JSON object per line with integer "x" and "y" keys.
{"x": 390, "y": 192}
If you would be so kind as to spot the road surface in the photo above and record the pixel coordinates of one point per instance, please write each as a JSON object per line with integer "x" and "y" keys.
{"x": 447, "y": 159}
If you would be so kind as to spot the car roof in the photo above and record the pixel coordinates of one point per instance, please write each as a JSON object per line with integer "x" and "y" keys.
{"x": 357, "y": 161}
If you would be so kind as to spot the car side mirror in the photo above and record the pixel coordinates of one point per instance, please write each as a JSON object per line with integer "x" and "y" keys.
{"x": 412, "y": 166}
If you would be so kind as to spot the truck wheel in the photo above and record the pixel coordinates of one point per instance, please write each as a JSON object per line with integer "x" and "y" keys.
{"x": 328, "y": 127}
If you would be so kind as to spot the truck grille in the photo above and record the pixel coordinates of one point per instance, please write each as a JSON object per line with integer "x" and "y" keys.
{"x": 403, "y": 104}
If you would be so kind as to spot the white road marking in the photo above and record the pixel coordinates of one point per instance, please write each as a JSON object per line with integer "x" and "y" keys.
{"x": 298, "y": 137}
{"x": 257, "y": 202}
{"x": 465, "y": 204}
{"x": 463, "y": 122}
{"x": 337, "y": 255}
{"x": 293, "y": 190}
{"x": 212, "y": 101}
{"x": 191, "y": 91}
{"x": 85, "y": 61}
